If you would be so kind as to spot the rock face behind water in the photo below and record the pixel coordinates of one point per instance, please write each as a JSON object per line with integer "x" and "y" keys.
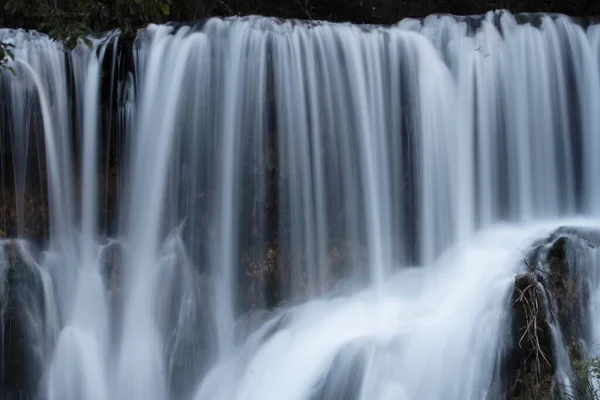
{"x": 550, "y": 304}
{"x": 22, "y": 327}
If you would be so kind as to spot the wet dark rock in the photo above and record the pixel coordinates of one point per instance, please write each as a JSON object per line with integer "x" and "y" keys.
{"x": 265, "y": 281}
{"x": 262, "y": 276}
{"x": 571, "y": 294}
{"x": 22, "y": 307}
{"x": 111, "y": 264}
{"x": 554, "y": 291}
{"x": 111, "y": 270}
{"x": 187, "y": 324}
{"x": 346, "y": 259}
{"x": 33, "y": 222}
{"x": 531, "y": 358}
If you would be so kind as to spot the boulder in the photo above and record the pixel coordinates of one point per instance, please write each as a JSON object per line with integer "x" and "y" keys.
{"x": 550, "y": 313}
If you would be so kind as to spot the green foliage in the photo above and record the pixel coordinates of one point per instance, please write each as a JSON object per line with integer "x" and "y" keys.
{"x": 585, "y": 372}
{"x": 69, "y": 21}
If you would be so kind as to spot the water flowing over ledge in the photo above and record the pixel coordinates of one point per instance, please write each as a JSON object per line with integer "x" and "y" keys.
{"x": 245, "y": 164}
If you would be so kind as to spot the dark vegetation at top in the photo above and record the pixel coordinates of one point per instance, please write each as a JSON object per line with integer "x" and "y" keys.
{"x": 68, "y": 19}
{"x": 71, "y": 20}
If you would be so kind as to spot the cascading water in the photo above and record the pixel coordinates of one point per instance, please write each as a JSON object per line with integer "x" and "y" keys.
{"x": 310, "y": 166}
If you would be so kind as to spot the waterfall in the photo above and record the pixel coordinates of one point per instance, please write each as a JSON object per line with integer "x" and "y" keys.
{"x": 253, "y": 208}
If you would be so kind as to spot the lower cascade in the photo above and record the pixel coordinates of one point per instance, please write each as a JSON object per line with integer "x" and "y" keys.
{"x": 262, "y": 209}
